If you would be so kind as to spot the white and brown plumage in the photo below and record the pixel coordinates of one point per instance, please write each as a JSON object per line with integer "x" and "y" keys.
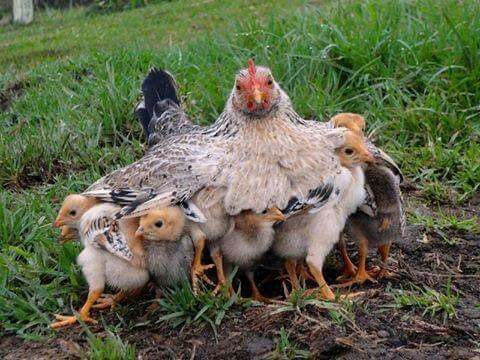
{"x": 101, "y": 267}
{"x": 69, "y": 217}
{"x": 259, "y": 154}
{"x": 257, "y": 143}
{"x": 380, "y": 220}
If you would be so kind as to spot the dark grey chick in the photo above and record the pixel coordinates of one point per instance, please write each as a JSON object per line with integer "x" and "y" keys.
{"x": 377, "y": 223}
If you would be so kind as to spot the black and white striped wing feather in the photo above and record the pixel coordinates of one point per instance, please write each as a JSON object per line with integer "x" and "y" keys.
{"x": 113, "y": 240}
{"x": 171, "y": 172}
{"x": 313, "y": 202}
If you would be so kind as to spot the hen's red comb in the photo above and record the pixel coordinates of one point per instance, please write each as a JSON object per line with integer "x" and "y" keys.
{"x": 251, "y": 68}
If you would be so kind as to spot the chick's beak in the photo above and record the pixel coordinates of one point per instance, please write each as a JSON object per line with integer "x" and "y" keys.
{"x": 370, "y": 159}
{"x": 66, "y": 235}
{"x": 139, "y": 233}
{"x": 276, "y": 215}
{"x": 58, "y": 223}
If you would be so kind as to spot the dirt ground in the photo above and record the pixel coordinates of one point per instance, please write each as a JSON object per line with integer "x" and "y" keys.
{"x": 375, "y": 331}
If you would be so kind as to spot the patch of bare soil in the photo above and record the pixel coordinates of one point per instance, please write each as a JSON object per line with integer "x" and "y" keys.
{"x": 11, "y": 92}
{"x": 376, "y": 328}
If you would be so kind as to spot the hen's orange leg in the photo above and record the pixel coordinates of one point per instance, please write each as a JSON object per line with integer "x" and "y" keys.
{"x": 197, "y": 268}
{"x": 349, "y": 269}
{"x": 361, "y": 276}
{"x": 83, "y": 314}
{"x": 325, "y": 291}
{"x": 291, "y": 266}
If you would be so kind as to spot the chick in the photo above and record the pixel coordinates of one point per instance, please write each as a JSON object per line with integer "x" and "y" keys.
{"x": 353, "y": 122}
{"x": 217, "y": 223}
{"x": 379, "y": 231}
{"x": 249, "y": 238}
{"x": 168, "y": 246}
{"x": 68, "y": 219}
{"x": 70, "y": 213}
{"x": 313, "y": 235}
{"x": 380, "y": 220}
{"x": 99, "y": 266}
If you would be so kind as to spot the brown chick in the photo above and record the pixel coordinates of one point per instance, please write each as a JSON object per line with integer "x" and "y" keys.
{"x": 70, "y": 213}
{"x": 353, "y": 122}
{"x": 168, "y": 245}
{"x": 354, "y": 151}
{"x": 248, "y": 239}
{"x": 69, "y": 216}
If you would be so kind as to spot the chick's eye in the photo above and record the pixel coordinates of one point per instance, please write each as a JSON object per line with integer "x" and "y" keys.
{"x": 159, "y": 224}
{"x": 73, "y": 212}
{"x": 264, "y": 212}
{"x": 348, "y": 151}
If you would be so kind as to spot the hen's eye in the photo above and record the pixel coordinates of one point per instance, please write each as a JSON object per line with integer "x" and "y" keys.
{"x": 270, "y": 82}
{"x": 348, "y": 151}
{"x": 238, "y": 87}
{"x": 72, "y": 213}
{"x": 159, "y": 224}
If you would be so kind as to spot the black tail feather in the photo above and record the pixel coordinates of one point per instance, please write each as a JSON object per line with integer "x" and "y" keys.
{"x": 142, "y": 115}
{"x": 158, "y": 85}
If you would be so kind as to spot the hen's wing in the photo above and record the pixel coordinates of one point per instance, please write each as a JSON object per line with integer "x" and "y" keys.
{"x": 170, "y": 173}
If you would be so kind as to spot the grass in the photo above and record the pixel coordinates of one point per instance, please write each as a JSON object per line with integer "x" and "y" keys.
{"x": 180, "y": 307}
{"x": 110, "y": 347}
{"x": 444, "y": 224}
{"x": 426, "y": 300}
{"x": 70, "y": 82}
{"x": 286, "y": 349}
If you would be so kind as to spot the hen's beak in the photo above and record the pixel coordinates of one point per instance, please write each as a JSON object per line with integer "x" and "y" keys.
{"x": 257, "y": 96}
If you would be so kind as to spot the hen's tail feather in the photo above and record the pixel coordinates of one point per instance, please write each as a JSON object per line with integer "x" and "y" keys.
{"x": 142, "y": 115}
{"x": 158, "y": 85}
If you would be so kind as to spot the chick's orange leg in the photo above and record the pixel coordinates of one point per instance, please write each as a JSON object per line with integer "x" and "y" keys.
{"x": 362, "y": 275}
{"x": 221, "y": 278}
{"x": 382, "y": 272}
{"x": 304, "y": 273}
{"x": 83, "y": 314}
{"x": 324, "y": 290}
{"x": 291, "y": 267}
{"x": 256, "y": 294}
{"x": 349, "y": 269}
{"x": 108, "y": 301}
{"x": 198, "y": 269}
